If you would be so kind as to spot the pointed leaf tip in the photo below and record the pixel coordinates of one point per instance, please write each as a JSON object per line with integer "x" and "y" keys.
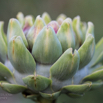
{"x": 86, "y": 51}
{"x": 34, "y": 30}
{"x": 12, "y": 88}
{"x": 20, "y": 17}
{"x": 3, "y": 43}
{"x": 66, "y": 66}
{"x": 46, "y": 17}
{"x": 20, "y": 57}
{"x": 66, "y": 35}
{"x": 98, "y": 55}
{"x": 90, "y": 29}
{"x": 14, "y": 29}
{"x": 76, "y": 27}
{"x": 61, "y": 18}
{"x": 49, "y": 49}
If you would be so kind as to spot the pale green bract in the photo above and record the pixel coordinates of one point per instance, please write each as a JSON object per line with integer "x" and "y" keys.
{"x": 44, "y": 58}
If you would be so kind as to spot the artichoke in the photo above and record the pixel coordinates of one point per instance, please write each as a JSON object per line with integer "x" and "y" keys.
{"x": 43, "y": 58}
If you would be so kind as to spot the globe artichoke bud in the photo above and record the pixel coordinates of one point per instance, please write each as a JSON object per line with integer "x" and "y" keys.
{"x": 44, "y": 59}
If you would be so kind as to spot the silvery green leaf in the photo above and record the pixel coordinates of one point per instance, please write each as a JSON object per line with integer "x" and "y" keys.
{"x": 3, "y": 43}
{"x": 46, "y": 17}
{"x": 20, "y": 57}
{"x": 49, "y": 49}
{"x": 34, "y": 31}
{"x": 86, "y": 51}
{"x": 66, "y": 35}
{"x": 14, "y": 29}
{"x": 20, "y": 17}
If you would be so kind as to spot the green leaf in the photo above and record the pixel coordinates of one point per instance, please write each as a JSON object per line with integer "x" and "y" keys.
{"x": 37, "y": 83}
{"x": 2, "y": 31}
{"x": 97, "y": 75}
{"x": 98, "y": 55}
{"x": 69, "y": 20}
{"x": 86, "y": 51}
{"x": 46, "y": 17}
{"x": 49, "y": 49}
{"x": 83, "y": 27}
{"x": 14, "y": 29}
{"x": 90, "y": 29}
{"x": 12, "y": 88}
{"x": 66, "y": 35}
{"x": 29, "y": 20}
{"x": 3, "y": 43}
{"x": 20, "y": 57}
{"x": 34, "y": 31}
{"x": 20, "y": 17}
{"x": 61, "y": 18}
{"x": 96, "y": 85}
{"x": 6, "y": 73}
{"x": 52, "y": 96}
{"x": 66, "y": 66}
{"x": 76, "y": 27}
{"x": 79, "y": 89}
{"x": 96, "y": 68}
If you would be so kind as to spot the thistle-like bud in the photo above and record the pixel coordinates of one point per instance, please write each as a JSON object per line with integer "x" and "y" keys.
{"x": 43, "y": 62}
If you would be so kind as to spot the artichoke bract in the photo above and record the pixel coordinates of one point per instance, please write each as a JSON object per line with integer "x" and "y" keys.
{"x": 44, "y": 58}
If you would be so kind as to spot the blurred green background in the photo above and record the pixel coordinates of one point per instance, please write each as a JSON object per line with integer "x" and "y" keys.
{"x": 89, "y": 10}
